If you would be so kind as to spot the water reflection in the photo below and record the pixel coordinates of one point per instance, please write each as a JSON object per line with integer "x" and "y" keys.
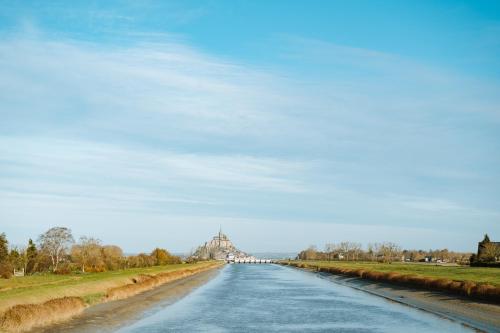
{"x": 271, "y": 298}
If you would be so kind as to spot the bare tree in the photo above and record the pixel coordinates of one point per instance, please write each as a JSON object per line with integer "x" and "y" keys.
{"x": 373, "y": 250}
{"x": 330, "y": 250}
{"x": 88, "y": 253}
{"x": 389, "y": 251}
{"x": 55, "y": 242}
{"x": 343, "y": 248}
{"x": 310, "y": 253}
{"x": 355, "y": 249}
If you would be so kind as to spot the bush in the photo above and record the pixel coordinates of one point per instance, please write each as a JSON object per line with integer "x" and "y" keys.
{"x": 66, "y": 268}
{"x": 6, "y": 270}
{"x": 485, "y": 264}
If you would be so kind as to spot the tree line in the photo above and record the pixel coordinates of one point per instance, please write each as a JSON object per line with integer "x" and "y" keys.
{"x": 383, "y": 252}
{"x": 56, "y": 251}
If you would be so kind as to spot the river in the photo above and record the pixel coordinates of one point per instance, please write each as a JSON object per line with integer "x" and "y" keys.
{"x": 272, "y": 298}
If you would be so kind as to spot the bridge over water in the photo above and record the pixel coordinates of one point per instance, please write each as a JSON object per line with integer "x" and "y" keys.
{"x": 250, "y": 261}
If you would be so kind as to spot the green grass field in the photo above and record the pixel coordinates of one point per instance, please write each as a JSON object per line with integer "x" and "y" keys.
{"x": 90, "y": 286}
{"x": 456, "y": 273}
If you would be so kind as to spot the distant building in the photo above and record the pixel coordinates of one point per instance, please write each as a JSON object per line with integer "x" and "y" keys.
{"x": 18, "y": 272}
{"x": 488, "y": 250}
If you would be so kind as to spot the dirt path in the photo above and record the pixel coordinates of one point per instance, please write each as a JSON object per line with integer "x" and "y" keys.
{"x": 481, "y": 316}
{"x": 108, "y": 317}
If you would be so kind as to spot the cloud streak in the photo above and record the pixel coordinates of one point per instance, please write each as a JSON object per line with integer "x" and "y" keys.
{"x": 164, "y": 129}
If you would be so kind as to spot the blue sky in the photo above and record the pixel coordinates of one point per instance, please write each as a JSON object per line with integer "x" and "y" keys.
{"x": 151, "y": 123}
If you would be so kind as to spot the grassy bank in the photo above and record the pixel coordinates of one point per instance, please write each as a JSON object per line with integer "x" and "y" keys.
{"x": 41, "y": 288}
{"x": 475, "y": 282}
{"x": 25, "y": 300}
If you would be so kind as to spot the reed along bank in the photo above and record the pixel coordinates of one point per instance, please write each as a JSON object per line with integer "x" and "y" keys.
{"x": 472, "y": 282}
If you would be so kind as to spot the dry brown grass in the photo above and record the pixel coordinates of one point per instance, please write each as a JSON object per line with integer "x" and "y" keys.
{"x": 36, "y": 289}
{"x": 24, "y": 317}
{"x": 471, "y": 289}
{"x": 147, "y": 282}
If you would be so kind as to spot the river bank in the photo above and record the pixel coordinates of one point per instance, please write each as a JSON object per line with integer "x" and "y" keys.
{"x": 476, "y": 314}
{"x": 110, "y": 316}
{"x": 65, "y": 298}
{"x": 472, "y": 282}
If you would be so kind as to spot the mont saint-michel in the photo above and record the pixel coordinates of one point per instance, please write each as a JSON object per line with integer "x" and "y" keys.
{"x": 220, "y": 247}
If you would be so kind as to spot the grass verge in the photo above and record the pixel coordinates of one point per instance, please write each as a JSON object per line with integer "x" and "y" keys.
{"x": 35, "y": 301}
{"x": 473, "y": 282}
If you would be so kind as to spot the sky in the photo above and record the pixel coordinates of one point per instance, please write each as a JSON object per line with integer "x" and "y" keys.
{"x": 285, "y": 123}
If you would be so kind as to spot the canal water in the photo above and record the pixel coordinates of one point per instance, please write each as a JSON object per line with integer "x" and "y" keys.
{"x": 272, "y": 298}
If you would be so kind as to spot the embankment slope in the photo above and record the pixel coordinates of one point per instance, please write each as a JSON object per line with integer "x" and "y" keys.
{"x": 76, "y": 297}
{"x": 457, "y": 306}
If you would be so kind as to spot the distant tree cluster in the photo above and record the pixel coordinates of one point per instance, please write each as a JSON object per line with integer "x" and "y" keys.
{"x": 6, "y": 266}
{"x": 157, "y": 257}
{"x": 382, "y": 252}
{"x": 56, "y": 251}
{"x": 443, "y": 255}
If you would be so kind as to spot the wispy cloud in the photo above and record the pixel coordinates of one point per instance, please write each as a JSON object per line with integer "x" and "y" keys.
{"x": 164, "y": 128}
{"x": 148, "y": 83}
{"x": 433, "y": 205}
{"x": 99, "y": 167}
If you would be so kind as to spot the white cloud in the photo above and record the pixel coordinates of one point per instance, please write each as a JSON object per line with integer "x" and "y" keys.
{"x": 131, "y": 88}
{"x": 163, "y": 128}
{"x": 434, "y": 205}
{"x": 81, "y": 162}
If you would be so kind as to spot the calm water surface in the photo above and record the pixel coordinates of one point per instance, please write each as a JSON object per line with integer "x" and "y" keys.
{"x": 272, "y": 298}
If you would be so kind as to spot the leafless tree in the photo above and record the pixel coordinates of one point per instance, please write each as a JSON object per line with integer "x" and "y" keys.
{"x": 310, "y": 253}
{"x": 343, "y": 248}
{"x": 88, "y": 253}
{"x": 355, "y": 249}
{"x": 372, "y": 250}
{"x": 389, "y": 251}
{"x": 330, "y": 250}
{"x": 55, "y": 242}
